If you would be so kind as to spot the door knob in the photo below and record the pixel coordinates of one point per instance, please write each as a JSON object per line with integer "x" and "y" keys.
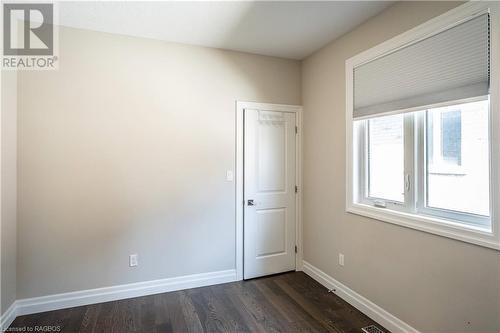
{"x": 250, "y": 202}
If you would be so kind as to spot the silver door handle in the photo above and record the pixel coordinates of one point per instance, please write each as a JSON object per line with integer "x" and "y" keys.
{"x": 250, "y": 202}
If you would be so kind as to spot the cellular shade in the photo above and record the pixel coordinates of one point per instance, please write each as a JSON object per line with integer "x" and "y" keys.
{"x": 450, "y": 65}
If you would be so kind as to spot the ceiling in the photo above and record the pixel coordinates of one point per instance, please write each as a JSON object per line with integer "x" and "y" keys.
{"x": 283, "y": 29}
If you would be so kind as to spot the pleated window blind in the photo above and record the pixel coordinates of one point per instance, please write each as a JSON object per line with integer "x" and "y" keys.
{"x": 451, "y": 65}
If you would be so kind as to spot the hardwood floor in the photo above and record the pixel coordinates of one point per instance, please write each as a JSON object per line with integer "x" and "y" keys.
{"x": 291, "y": 302}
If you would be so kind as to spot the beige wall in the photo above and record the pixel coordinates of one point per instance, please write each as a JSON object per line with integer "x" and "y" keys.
{"x": 433, "y": 283}
{"x": 124, "y": 150}
{"x": 8, "y": 190}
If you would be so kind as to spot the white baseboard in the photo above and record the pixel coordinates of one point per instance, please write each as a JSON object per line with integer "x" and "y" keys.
{"x": 91, "y": 296}
{"x": 364, "y": 305}
{"x": 8, "y": 317}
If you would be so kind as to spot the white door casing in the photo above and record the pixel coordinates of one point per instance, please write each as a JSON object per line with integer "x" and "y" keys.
{"x": 269, "y": 192}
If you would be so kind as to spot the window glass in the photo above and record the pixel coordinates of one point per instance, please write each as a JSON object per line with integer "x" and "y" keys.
{"x": 386, "y": 158}
{"x": 451, "y": 138}
{"x": 457, "y": 163}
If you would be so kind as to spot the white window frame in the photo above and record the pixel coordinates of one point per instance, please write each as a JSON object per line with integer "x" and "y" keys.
{"x": 408, "y": 214}
{"x": 363, "y": 171}
{"x": 473, "y": 220}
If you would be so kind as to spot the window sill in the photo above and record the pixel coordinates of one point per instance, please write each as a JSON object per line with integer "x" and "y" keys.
{"x": 436, "y": 226}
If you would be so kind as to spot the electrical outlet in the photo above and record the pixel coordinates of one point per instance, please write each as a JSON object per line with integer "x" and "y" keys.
{"x": 229, "y": 175}
{"x": 133, "y": 260}
{"x": 341, "y": 259}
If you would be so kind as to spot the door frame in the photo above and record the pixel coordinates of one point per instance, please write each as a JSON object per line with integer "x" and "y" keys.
{"x": 239, "y": 180}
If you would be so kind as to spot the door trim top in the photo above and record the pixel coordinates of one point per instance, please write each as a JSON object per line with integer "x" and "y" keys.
{"x": 240, "y": 107}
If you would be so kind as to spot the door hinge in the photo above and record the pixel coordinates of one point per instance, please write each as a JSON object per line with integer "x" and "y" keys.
{"x": 295, "y": 248}
{"x": 296, "y": 189}
{"x": 296, "y": 129}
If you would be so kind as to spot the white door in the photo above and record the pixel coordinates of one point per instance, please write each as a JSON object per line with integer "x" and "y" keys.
{"x": 269, "y": 193}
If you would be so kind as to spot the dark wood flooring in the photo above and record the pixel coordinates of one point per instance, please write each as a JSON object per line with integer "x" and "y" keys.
{"x": 291, "y": 302}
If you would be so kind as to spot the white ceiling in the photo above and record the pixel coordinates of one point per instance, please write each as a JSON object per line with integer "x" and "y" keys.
{"x": 283, "y": 29}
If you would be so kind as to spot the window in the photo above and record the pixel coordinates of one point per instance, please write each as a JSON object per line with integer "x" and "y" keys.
{"x": 457, "y": 176}
{"x": 451, "y": 150}
{"x": 422, "y": 121}
{"x": 455, "y": 165}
